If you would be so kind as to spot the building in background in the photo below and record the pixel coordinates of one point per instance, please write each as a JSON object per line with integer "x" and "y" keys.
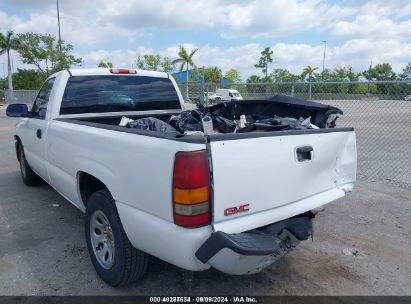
{"x": 193, "y": 76}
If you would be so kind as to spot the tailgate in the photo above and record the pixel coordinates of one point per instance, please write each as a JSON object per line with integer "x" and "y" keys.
{"x": 261, "y": 178}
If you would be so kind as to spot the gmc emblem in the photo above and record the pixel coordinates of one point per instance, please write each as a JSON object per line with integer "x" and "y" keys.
{"x": 235, "y": 210}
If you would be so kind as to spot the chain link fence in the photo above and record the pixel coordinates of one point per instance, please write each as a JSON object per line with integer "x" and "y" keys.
{"x": 20, "y": 96}
{"x": 378, "y": 111}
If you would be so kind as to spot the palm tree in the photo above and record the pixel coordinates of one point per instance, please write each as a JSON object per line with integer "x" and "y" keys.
{"x": 309, "y": 70}
{"x": 8, "y": 43}
{"x": 186, "y": 59}
{"x": 213, "y": 75}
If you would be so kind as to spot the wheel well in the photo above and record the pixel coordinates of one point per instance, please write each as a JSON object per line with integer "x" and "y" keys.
{"x": 88, "y": 184}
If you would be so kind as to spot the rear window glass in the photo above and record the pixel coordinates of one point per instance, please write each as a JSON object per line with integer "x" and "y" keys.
{"x": 114, "y": 93}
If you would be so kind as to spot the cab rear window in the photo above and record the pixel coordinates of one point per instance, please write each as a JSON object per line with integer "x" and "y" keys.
{"x": 115, "y": 93}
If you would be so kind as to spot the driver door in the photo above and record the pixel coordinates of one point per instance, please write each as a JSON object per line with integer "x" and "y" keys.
{"x": 35, "y": 138}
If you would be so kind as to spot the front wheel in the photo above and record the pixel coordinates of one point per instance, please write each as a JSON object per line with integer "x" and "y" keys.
{"x": 115, "y": 260}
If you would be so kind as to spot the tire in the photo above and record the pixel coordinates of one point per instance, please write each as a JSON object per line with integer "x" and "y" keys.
{"x": 115, "y": 260}
{"x": 29, "y": 177}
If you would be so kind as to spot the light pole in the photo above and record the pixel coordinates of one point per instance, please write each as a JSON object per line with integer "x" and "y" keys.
{"x": 369, "y": 76}
{"x": 58, "y": 21}
{"x": 325, "y": 48}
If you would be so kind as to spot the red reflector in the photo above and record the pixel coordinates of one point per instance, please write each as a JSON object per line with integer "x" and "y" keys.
{"x": 191, "y": 188}
{"x": 122, "y": 71}
{"x": 193, "y": 220}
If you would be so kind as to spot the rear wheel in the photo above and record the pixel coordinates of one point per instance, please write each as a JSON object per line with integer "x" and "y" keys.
{"x": 115, "y": 260}
{"x": 29, "y": 177}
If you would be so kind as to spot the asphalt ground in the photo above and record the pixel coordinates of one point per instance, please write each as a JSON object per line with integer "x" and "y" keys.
{"x": 362, "y": 242}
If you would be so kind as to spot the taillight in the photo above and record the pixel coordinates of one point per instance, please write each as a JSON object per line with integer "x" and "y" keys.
{"x": 191, "y": 189}
{"x": 122, "y": 71}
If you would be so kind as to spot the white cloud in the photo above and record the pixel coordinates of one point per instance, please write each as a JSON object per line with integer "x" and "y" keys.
{"x": 266, "y": 18}
{"x": 77, "y": 27}
{"x": 358, "y": 31}
{"x": 119, "y": 58}
{"x": 356, "y": 52}
{"x": 93, "y": 21}
{"x": 160, "y": 14}
{"x": 373, "y": 26}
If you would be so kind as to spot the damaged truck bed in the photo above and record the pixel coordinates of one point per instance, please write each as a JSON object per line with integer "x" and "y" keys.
{"x": 277, "y": 113}
{"x": 234, "y": 186}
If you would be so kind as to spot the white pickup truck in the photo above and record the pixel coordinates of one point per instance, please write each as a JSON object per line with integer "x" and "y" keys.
{"x": 236, "y": 202}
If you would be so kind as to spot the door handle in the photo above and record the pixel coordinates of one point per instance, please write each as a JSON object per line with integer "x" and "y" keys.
{"x": 38, "y": 133}
{"x": 304, "y": 153}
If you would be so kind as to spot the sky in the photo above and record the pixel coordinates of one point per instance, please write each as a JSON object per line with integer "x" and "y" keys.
{"x": 229, "y": 34}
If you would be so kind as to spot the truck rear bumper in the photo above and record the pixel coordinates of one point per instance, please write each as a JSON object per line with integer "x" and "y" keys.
{"x": 250, "y": 252}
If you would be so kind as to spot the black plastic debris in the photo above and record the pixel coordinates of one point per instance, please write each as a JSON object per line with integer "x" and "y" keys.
{"x": 153, "y": 124}
{"x": 322, "y": 115}
{"x": 191, "y": 121}
{"x": 224, "y": 125}
{"x": 187, "y": 121}
{"x": 272, "y": 124}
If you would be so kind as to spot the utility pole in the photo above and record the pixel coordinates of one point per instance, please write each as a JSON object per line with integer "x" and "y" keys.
{"x": 325, "y": 48}
{"x": 58, "y": 21}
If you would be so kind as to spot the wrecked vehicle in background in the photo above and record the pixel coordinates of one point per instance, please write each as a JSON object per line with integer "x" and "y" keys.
{"x": 234, "y": 186}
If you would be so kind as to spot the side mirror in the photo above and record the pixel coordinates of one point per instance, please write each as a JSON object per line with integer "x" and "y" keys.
{"x": 17, "y": 110}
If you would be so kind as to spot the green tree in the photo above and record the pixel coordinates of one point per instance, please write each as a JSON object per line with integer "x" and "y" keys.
{"x": 28, "y": 79}
{"x": 167, "y": 65}
{"x": 149, "y": 62}
{"x": 283, "y": 75}
{"x": 309, "y": 70}
{"x": 185, "y": 58}
{"x": 344, "y": 74}
{"x": 152, "y": 62}
{"x": 266, "y": 57}
{"x": 327, "y": 75}
{"x": 213, "y": 75}
{"x": 105, "y": 64}
{"x": 3, "y": 84}
{"x": 252, "y": 84}
{"x": 254, "y": 79}
{"x": 8, "y": 42}
{"x": 233, "y": 76}
{"x": 406, "y": 72}
{"x": 381, "y": 71}
{"x": 43, "y": 51}
{"x": 364, "y": 88}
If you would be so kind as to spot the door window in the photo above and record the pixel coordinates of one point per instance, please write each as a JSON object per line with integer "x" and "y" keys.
{"x": 40, "y": 104}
